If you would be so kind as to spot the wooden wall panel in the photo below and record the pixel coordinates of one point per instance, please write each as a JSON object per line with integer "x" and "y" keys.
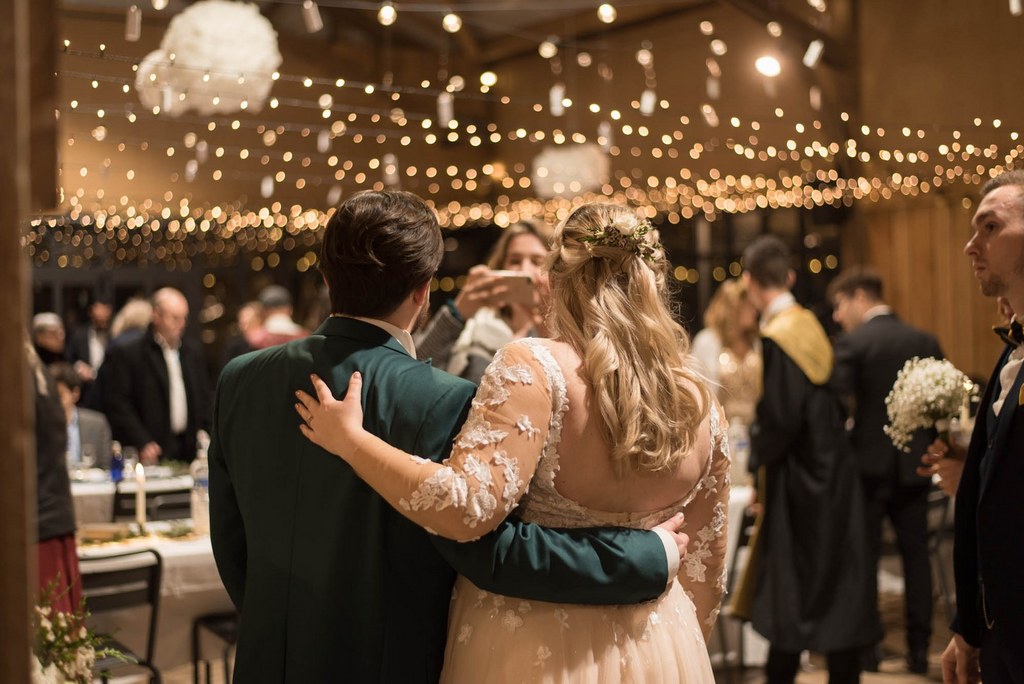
{"x": 917, "y": 247}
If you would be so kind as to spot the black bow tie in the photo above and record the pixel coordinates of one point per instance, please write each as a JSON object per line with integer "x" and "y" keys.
{"x": 1012, "y": 334}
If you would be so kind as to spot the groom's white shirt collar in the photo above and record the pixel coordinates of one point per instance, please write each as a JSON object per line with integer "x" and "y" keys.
{"x": 782, "y": 302}
{"x": 403, "y": 336}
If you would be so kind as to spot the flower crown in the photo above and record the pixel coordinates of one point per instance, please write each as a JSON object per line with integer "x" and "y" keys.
{"x": 630, "y": 234}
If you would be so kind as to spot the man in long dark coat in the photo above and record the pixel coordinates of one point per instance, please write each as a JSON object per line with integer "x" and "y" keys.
{"x": 812, "y": 582}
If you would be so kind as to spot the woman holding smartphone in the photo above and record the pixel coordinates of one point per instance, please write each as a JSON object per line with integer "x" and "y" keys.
{"x": 500, "y": 302}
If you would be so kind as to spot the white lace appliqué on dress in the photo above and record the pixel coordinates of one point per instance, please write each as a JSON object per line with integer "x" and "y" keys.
{"x": 654, "y": 643}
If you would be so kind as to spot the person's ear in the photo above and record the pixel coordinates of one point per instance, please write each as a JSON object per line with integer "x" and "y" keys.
{"x": 790, "y": 279}
{"x": 420, "y": 294}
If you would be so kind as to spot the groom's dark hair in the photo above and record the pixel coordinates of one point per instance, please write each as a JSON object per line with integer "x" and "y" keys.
{"x": 377, "y": 248}
{"x": 767, "y": 260}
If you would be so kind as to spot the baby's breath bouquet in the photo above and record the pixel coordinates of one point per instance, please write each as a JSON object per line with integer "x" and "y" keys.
{"x": 65, "y": 649}
{"x": 928, "y": 393}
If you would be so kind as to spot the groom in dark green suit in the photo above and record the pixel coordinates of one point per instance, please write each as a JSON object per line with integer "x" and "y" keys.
{"x": 332, "y": 584}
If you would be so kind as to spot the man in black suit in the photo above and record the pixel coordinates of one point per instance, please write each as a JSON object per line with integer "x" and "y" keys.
{"x": 988, "y": 557}
{"x": 157, "y": 396}
{"x": 868, "y": 357}
{"x": 88, "y": 343}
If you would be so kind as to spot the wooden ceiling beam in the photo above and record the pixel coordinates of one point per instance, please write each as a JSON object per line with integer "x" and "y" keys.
{"x": 585, "y": 25}
{"x": 766, "y": 11}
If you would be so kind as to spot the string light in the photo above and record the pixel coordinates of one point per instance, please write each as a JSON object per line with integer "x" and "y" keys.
{"x": 159, "y": 4}
{"x": 606, "y": 12}
{"x": 387, "y": 14}
{"x": 768, "y": 66}
{"x": 451, "y": 22}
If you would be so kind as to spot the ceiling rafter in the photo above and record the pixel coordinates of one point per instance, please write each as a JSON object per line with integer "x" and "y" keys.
{"x": 586, "y": 25}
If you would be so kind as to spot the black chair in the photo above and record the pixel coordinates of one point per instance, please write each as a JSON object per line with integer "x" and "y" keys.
{"x": 169, "y": 505}
{"x": 939, "y": 531}
{"x": 225, "y": 627}
{"x": 115, "y": 582}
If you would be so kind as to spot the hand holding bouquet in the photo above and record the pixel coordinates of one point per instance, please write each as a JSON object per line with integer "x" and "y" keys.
{"x": 928, "y": 393}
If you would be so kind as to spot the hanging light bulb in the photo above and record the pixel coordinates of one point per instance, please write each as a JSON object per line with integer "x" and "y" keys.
{"x": 549, "y": 48}
{"x": 451, "y": 22}
{"x": 556, "y": 99}
{"x": 814, "y": 50}
{"x": 814, "y": 95}
{"x": 713, "y": 88}
{"x": 709, "y": 114}
{"x": 488, "y": 78}
{"x": 311, "y": 16}
{"x": 267, "y": 187}
{"x": 604, "y": 135}
{"x": 1016, "y": 9}
{"x": 389, "y": 165}
{"x": 606, "y": 12}
{"x": 133, "y": 24}
{"x": 768, "y": 66}
{"x": 648, "y": 100}
{"x": 159, "y": 4}
{"x": 323, "y": 141}
{"x": 445, "y": 109}
{"x": 334, "y": 195}
{"x": 387, "y": 14}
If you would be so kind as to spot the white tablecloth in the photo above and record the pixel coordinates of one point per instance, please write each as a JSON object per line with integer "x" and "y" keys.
{"x": 190, "y": 587}
{"x": 94, "y": 501}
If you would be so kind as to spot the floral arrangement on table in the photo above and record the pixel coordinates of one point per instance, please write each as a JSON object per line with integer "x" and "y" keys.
{"x": 928, "y": 393}
{"x": 65, "y": 650}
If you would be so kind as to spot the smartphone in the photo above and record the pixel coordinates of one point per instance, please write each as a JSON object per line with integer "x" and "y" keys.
{"x": 519, "y": 286}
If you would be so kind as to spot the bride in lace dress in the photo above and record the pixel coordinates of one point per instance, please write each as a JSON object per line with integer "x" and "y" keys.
{"x": 603, "y": 425}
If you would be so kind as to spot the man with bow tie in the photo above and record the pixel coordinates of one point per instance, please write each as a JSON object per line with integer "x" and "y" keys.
{"x": 988, "y": 557}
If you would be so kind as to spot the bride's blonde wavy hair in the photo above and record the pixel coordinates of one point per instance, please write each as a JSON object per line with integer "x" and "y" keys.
{"x": 611, "y": 305}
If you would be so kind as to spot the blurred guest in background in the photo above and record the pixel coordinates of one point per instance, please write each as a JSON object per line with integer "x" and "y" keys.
{"x": 277, "y": 326}
{"x": 131, "y": 321}
{"x": 88, "y": 343}
{"x": 870, "y": 354}
{"x": 156, "y": 390}
{"x": 729, "y": 350}
{"x": 58, "y": 556}
{"x": 811, "y": 566}
{"x": 464, "y": 335}
{"x": 48, "y": 337}
{"x": 248, "y": 320}
{"x": 129, "y": 325}
{"x": 88, "y": 430}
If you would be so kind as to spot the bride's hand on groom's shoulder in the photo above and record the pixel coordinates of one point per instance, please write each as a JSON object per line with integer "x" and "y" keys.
{"x": 332, "y": 424}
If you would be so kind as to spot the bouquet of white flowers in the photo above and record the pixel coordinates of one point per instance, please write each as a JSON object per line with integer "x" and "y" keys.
{"x": 928, "y": 393}
{"x": 65, "y": 649}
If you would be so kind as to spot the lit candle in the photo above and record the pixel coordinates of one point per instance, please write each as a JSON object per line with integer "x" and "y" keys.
{"x": 140, "y": 496}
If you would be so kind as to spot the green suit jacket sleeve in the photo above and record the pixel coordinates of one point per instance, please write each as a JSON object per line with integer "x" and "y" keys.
{"x": 599, "y": 566}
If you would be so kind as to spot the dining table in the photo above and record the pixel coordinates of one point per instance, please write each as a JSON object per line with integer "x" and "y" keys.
{"x": 190, "y": 587}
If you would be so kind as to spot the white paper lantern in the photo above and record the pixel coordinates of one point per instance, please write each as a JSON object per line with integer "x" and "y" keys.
{"x": 569, "y": 170}
{"x": 215, "y": 75}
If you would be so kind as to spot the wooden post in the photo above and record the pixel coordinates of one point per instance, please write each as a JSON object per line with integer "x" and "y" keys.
{"x": 27, "y": 59}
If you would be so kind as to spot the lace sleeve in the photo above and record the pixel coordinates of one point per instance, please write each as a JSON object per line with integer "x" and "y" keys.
{"x": 494, "y": 456}
{"x": 703, "y": 571}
